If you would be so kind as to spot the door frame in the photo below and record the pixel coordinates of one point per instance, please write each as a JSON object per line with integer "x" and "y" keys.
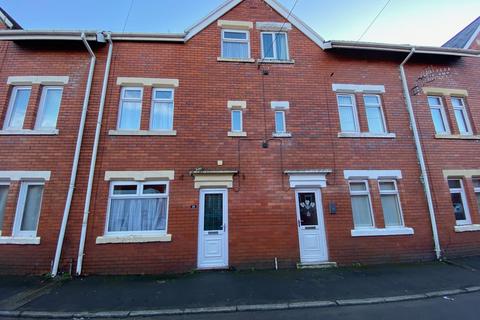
{"x": 201, "y": 219}
{"x": 320, "y": 219}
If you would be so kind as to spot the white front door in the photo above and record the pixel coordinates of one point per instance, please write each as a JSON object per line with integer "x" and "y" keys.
{"x": 213, "y": 229}
{"x": 311, "y": 227}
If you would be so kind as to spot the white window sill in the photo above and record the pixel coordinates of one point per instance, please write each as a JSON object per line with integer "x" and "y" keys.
{"x": 291, "y": 61}
{"x": 282, "y": 135}
{"x": 141, "y": 133}
{"x": 467, "y": 228}
{"x": 237, "y": 134}
{"x": 20, "y": 240}
{"x": 134, "y": 239}
{"x": 401, "y": 231}
{"x": 22, "y": 132}
{"x": 457, "y": 136}
{"x": 248, "y": 60}
{"x": 367, "y": 135}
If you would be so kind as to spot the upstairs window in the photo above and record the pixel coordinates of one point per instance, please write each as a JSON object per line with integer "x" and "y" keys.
{"x": 375, "y": 118}
{"x": 274, "y": 46}
{"x": 235, "y": 44}
{"x": 3, "y": 202}
{"x": 361, "y": 205}
{"x": 439, "y": 116}
{"x": 392, "y": 212}
{"x": 162, "y": 110}
{"x": 49, "y": 108}
{"x": 461, "y": 116}
{"x": 348, "y": 113}
{"x": 459, "y": 201}
{"x": 130, "y": 109}
{"x": 237, "y": 121}
{"x": 280, "y": 123}
{"x": 17, "y": 108}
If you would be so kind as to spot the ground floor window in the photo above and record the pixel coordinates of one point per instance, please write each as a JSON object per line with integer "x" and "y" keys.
{"x": 392, "y": 212}
{"x": 28, "y": 209}
{"x": 459, "y": 201}
{"x": 136, "y": 208}
{"x": 3, "y": 202}
{"x": 476, "y": 183}
{"x": 361, "y": 204}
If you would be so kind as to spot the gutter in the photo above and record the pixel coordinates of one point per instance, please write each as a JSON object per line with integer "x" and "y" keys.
{"x": 418, "y": 145}
{"x": 93, "y": 161}
{"x": 76, "y": 157}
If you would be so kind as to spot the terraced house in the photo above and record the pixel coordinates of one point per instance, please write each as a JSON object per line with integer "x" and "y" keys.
{"x": 247, "y": 141}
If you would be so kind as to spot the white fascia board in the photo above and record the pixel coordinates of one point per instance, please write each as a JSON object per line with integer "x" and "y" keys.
{"x": 474, "y": 36}
{"x": 7, "y": 21}
{"x": 360, "y": 88}
{"x": 372, "y": 174}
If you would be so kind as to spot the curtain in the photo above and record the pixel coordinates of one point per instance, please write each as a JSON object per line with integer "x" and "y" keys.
{"x": 137, "y": 215}
{"x": 281, "y": 44}
{"x": 361, "y": 211}
{"x": 391, "y": 211}
{"x": 162, "y": 116}
{"x": 375, "y": 120}
{"x": 31, "y": 210}
{"x": 51, "y": 106}
{"x": 347, "y": 119}
{"x": 3, "y": 203}
{"x": 130, "y": 115}
{"x": 19, "y": 108}
{"x": 235, "y": 50}
{"x": 268, "y": 45}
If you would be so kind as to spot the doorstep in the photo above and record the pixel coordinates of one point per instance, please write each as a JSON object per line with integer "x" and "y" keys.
{"x": 316, "y": 265}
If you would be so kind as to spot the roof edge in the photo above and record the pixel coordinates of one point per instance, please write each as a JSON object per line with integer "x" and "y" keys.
{"x": 9, "y": 21}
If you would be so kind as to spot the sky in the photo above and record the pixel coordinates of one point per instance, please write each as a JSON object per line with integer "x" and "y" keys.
{"x": 418, "y": 22}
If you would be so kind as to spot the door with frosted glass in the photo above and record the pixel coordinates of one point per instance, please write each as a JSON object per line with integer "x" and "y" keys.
{"x": 311, "y": 228}
{"x": 213, "y": 231}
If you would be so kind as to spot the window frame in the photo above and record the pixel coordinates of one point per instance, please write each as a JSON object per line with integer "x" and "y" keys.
{"x": 21, "y": 202}
{"x": 41, "y": 108}
{"x": 241, "y": 120}
{"x": 362, "y": 193}
{"x": 120, "y": 107}
{"x": 7, "y": 184}
{"x": 13, "y": 97}
{"x": 382, "y": 113}
{"x": 284, "y": 122}
{"x": 274, "y": 39}
{"x": 395, "y": 192}
{"x": 461, "y": 191}
{"x": 154, "y": 100}
{"x": 247, "y": 40}
{"x": 477, "y": 191}
{"x": 443, "y": 113}
{"x": 463, "y": 109}
{"x": 139, "y": 195}
{"x": 354, "y": 111}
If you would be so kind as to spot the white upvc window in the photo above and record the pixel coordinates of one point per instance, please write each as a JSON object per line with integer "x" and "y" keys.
{"x": 161, "y": 118}
{"x": 130, "y": 111}
{"x": 235, "y": 44}
{"x": 275, "y": 46}
{"x": 392, "y": 209}
{"x": 280, "y": 122}
{"x": 459, "y": 202}
{"x": 137, "y": 208}
{"x": 28, "y": 209}
{"x": 476, "y": 184}
{"x": 348, "y": 113}
{"x": 439, "y": 116}
{"x": 17, "y": 108}
{"x": 375, "y": 116}
{"x": 4, "y": 186}
{"x": 461, "y": 116}
{"x": 361, "y": 205}
{"x": 237, "y": 120}
{"x": 49, "y": 108}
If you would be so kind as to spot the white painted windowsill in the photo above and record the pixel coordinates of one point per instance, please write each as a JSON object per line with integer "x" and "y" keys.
{"x": 237, "y": 134}
{"x": 457, "y": 136}
{"x": 248, "y": 60}
{"x": 20, "y": 240}
{"x": 367, "y": 135}
{"x": 134, "y": 239}
{"x": 468, "y": 228}
{"x": 282, "y": 135}
{"x": 141, "y": 133}
{"x": 291, "y": 61}
{"x": 22, "y": 132}
{"x": 382, "y": 232}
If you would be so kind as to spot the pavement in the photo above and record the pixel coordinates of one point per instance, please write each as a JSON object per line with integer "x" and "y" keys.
{"x": 232, "y": 292}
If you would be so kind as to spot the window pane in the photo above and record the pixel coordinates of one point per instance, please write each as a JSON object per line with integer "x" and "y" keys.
{"x": 454, "y": 184}
{"x": 125, "y": 190}
{"x": 235, "y": 35}
{"x": 130, "y": 116}
{"x": 462, "y": 124}
{"x": 237, "y": 121}
{"x": 268, "y": 45}
{"x": 280, "y": 122}
{"x": 458, "y": 207}
{"x": 371, "y": 100}
{"x": 358, "y": 186}
{"x": 51, "y": 107}
{"x": 19, "y": 108}
{"x": 281, "y": 46}
{"x": 476, "y": 183}
{"x": 457, "y": 102}
{"x": 391, "y": 210}
{"x": 387, "y": 186}
{"x": 361, "y": 211}
{"x": 155, "y": 189}
{"x": 308, "y": 209}
{"x": 3, "y": 203}
{"x": 213, "y": 212}
{"x": 137, "y": 215}
{"x": 345, "y": 100}
{"x": 235, "y": 50}
{"x": 162, "y": 117}
{"x": 132, "y": 94}
{"x": 375, "y": 120}
{"x": 31, "y": 210}
{"x": 478, "y": 200}
{"x": 163, "y": 94}
{"x": 438, "y": 120}
{"x": 347, "y": 119}
{"x": 434, "y": 101}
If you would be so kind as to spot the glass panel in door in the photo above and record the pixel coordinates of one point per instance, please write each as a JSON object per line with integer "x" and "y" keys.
{"x": 213, "y": 212}
{"x": 308, "y": 209}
